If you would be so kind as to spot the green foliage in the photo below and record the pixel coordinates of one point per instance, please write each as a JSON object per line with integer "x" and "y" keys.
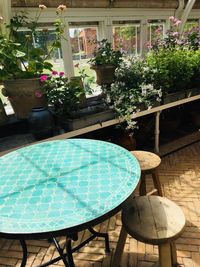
{"x": 169, "y": 69}
{"x": 18, "y": 56}
{"x": 129, "y": 93}
{"x": 106, "y": 55}
{"x": 63, "y": 95}
{"x": 195, "y": 79}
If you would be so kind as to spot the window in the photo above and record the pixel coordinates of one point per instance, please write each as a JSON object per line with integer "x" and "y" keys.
{"x": 156, "y": 28}
{"x": 44, "y": 38}
{"x": 126, "y": 36}
{"x": 190, "y": 24}
{"x": 83, "y": 38}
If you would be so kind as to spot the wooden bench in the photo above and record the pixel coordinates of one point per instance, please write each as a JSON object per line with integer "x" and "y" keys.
{"x": 148, "y": 163}
{"x": 153, "y": 220}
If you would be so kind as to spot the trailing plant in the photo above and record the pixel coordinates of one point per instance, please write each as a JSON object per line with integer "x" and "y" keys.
{"x": 130, "y": 93}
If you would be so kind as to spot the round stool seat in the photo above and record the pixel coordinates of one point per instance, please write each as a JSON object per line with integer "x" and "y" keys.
{"x": 153, "y": 220}
{"x": 147, "y": 160}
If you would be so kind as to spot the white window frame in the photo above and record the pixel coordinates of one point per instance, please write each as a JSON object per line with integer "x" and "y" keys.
{"x": 105, "y": 17}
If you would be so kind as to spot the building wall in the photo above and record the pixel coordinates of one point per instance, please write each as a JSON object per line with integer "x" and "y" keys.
{"x": 99, "y": 3}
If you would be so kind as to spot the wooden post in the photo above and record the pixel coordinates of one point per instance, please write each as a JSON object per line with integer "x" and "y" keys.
{"x": 5, "y": 12}
{"x": 157, "y": 131}
{"x": 120, "y": 248}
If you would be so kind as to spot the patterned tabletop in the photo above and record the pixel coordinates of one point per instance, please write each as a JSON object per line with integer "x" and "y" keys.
{"x": 63, "y": 184}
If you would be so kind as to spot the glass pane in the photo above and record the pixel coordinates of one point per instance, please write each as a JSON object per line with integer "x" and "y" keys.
{"x": 44, "y": 39}
{"x": 191, "y": 24}
{"x": 127, "y": 38}
{"x": 83, "y": 42}
{"x": 156, "y": 30}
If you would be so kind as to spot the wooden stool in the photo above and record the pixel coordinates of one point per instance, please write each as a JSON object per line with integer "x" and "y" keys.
{"x": 153, "y": 220}
{"x": 148, "y": 163}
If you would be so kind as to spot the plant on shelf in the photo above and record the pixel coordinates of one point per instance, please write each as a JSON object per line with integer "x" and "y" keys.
{"x": 64, "y": 96}
{"x": 22, "y": 62}
{"x": 130, "y": 93}
{"x": 170, "y": 69}
{"x": 173, "y": 62}
{"x": 105, "y": 61}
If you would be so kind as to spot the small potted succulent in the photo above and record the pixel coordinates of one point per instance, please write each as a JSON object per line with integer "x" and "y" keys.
{"x": 105, "y": 61}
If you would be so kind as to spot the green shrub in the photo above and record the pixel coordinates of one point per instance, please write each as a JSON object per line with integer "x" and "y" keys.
{"x": 170, "y": 69}
{"x": 195, "y": 59}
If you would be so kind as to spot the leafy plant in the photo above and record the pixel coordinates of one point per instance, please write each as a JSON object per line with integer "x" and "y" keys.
{"x": 63, "y": 95}
{"x": 19, "y": 58}
{"x": 129, "y": 93}
{"x": 169, "y": 69}
{"x": 106, "y": 55}
{"x": 195, "y": 61}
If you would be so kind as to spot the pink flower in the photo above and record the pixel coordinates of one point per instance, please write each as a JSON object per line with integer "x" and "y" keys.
{"x": 43, "y": 78}
{"x": 171, "y": 18}
{"x": 61, "y": 73}
{"x": 42, "y": 7}
{"x": 177, "y": 22}
{"x": 175, "y": 34}
{"x": 76, "y": 65}
{"x": 54, "y": 72}
{"x": 61, "y": 8}
{"x": 158, "y": 30}
{"x": 38, "y": 94}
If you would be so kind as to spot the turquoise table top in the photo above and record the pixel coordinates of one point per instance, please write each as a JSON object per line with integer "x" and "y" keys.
{"x": 63, "y": 185}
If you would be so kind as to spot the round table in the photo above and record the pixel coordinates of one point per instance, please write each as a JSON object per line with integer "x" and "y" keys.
{"x": 60, "y": 187}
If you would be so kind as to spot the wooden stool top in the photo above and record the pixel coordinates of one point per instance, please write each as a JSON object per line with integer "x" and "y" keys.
{"x": 147, "y": 160}
{"x": 153, "y": 219}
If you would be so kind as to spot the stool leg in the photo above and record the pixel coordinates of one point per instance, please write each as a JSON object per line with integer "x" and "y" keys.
{"x": 173, "y": 254}
{"x": 119, "y": 248}
{"x": 165, "y": 255}
{"x": 156, "y": 182}
{"x": 142, "y": 188}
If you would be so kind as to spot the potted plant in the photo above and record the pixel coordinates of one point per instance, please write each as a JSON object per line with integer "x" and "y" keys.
{"x": 130, "y": 93}
{"x": 22, "y": 63}
{"x": 173, "y": 63}
{"x": 105, "y": 61}
{"x": 171, "y": 71}
{"x": 67, "y": 99}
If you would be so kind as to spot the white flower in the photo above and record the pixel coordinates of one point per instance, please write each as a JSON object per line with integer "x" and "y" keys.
{"x": 42, "y": 7}
{"x": 61, "y": 8}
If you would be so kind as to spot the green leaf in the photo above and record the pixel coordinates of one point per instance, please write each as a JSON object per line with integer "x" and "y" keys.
{"x": 18, "y": 53}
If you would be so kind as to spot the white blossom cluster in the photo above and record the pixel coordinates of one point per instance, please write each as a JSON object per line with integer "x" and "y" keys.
{"x": 130, "y": 93}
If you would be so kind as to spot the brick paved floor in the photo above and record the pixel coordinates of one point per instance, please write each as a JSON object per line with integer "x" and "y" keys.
{"x": 180, "y": 178}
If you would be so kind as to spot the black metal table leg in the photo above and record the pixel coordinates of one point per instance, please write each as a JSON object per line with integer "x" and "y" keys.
{"x": 24, "y": 248}
{"x": 60, "y": 251}
{"x": 69, "y": 252}
{"x": 104, "y": 235}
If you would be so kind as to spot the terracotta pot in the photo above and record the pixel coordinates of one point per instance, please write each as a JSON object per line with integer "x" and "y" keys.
{"x": 24, "y": 94}
{"x": 105, "y": 74}
{"x": 125, "y": 139}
